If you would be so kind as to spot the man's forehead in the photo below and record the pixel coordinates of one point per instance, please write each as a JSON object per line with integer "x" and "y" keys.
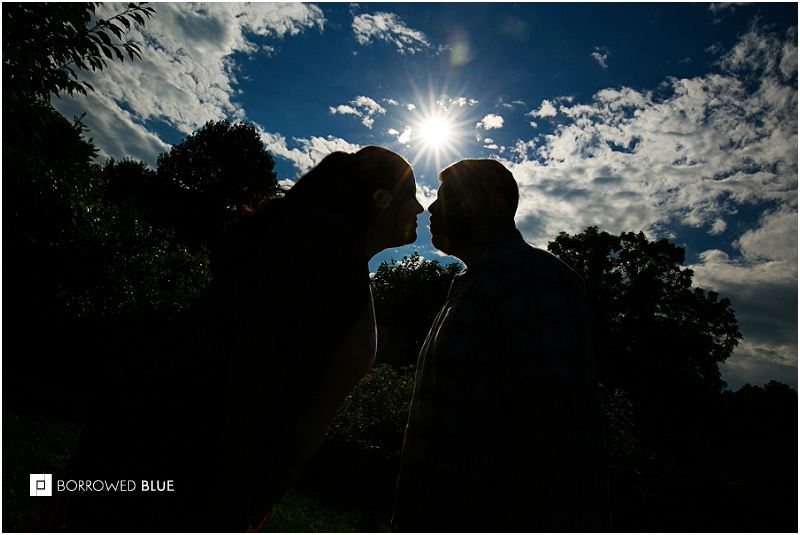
{"x": 453, "y": 189}
{"x": 445, "y": 186}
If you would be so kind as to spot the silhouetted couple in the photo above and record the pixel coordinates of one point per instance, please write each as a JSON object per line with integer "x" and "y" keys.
{"x": 504, "y": 429}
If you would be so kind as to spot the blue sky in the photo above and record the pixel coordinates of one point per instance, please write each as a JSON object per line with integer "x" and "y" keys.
{"x": 676, "y": 119}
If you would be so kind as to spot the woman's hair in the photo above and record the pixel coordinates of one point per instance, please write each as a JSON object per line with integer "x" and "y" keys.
{"x": 353, "y": 186}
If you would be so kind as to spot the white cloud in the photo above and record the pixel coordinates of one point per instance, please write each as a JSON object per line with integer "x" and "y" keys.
{"x": 345, "y": 110}
{"x": 763, "y": 51}
{"x": 690, "y": 153}
{"x": 426, "y": 195}
{"x": 716, "y": 7}
{"x": 758, "y": 363}
{"x": 369, "y": 105}
{"x": 601, "y": 57}
{"x": 463, "y": 101}
{"x": 513, "y": 104}
{"x": 718, "y": 227}
{"x": 546, "y": 109}
{"x": 186, "y": 76}
{"x": 762, "y": 287}
{"x": 634, "y": 160}
{"x": 309, "y": 151}
{"x": 122, "y": 136}
{"x": 775, "y": 239}
{"x": 388, "y": 27}
{"x": 363, "y": 107}
{"x": 405, "y": 137}
{"x": 491, "y": 121}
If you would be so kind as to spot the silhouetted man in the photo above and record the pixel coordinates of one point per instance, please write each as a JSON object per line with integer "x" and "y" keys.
{"x": 505, "y": 430}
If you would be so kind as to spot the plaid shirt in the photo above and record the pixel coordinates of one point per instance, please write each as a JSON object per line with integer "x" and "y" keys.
{"x": 517, "y": 315}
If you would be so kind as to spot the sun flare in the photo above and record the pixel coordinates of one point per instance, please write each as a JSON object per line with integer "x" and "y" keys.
{"x": 437, "y": 128}
{"x": 435, "y": 132}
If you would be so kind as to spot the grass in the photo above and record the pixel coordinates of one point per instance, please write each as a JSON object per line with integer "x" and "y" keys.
{"x": 305, "y": 512}
{"x": 35, "y": 445}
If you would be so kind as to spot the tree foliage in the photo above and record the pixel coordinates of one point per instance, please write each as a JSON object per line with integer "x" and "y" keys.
{"x": 359, "y": 460}
{"x": 408, "y": 294}
{"x": 677, "y": 440}
{"x": 45, "y": 43}
{"x": 210, "y": 178}
{"x": 86, "y": 265}
{"x": 89, "y": 273}
{"x": 651, "y": 328}
{"x": 374, "y": 415}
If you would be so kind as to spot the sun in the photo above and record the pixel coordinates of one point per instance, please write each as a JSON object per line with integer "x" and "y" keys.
{"x": 435, "y": 132}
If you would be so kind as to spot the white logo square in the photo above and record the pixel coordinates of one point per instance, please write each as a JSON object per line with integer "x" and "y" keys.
{"x": 41, "y": 484}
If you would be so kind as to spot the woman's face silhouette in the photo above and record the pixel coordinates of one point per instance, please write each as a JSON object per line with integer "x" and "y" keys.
{"x": 395, "y": 223}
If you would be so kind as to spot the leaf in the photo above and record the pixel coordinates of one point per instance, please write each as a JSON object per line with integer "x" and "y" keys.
{"x": 116, "y": 30}
{"x": 106, "y": 39}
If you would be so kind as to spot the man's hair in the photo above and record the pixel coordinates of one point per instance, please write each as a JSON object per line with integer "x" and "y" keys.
{"x": 486, "y": 181}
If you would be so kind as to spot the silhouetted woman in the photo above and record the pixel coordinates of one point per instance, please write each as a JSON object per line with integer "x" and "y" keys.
{"x": 255, "y": 372}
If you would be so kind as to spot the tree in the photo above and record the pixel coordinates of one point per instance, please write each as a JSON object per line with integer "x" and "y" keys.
{"x": 661, "y": 340}
{"x": 43, "y": 44}
{"x": 654, "y": 335}
{"x": 212, "y": 177}
{"x": 82, "y": 267}
{"x": 640, "y": 299}
{"x": 408, "y": 295}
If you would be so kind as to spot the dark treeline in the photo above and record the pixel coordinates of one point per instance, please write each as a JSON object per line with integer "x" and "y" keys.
{"x": 101, "y": 258}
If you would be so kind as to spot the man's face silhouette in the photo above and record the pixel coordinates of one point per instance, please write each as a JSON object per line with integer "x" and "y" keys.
{"x": 452, "y": 219}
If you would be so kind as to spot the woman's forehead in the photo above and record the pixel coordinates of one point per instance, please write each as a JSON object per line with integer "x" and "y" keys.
{"x": 407, "y": 180}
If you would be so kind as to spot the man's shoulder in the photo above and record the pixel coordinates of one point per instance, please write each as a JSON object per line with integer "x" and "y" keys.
{"x": 514, "y": 256}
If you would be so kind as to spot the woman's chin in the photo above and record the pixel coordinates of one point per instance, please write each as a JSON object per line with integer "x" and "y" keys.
{"x": 409, "y": 235}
